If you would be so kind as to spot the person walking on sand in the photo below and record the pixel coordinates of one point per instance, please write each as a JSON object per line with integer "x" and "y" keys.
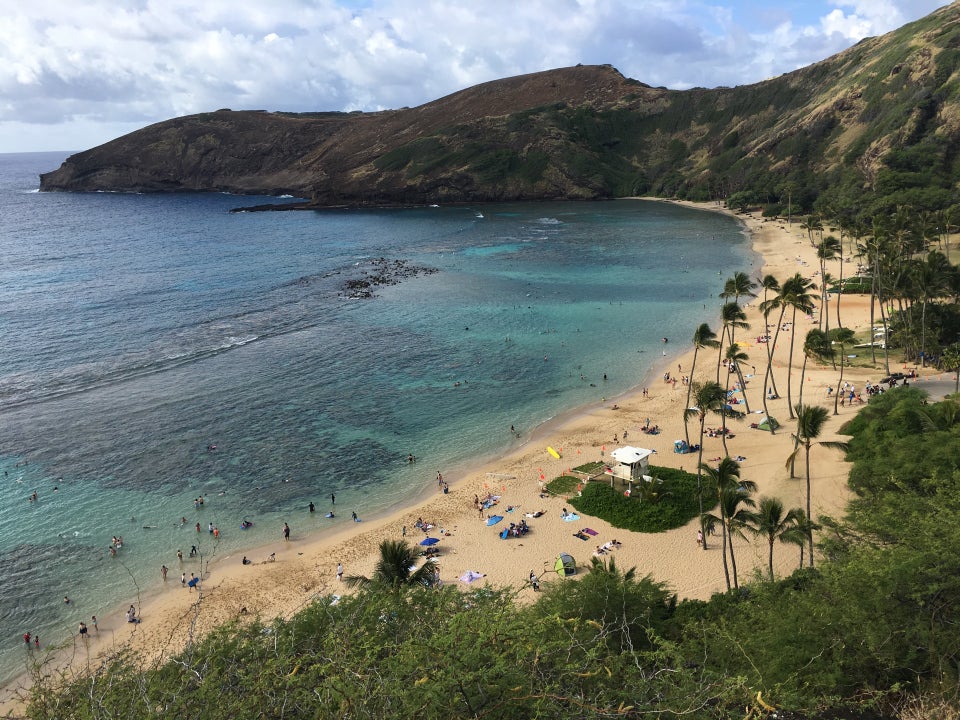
{"x": 83, "y": 630}
{"x": 339, "y": 572}
{"x": 286, "y": 532}
{"x": 163, "y": 572}
{"x": 93, "y": 621}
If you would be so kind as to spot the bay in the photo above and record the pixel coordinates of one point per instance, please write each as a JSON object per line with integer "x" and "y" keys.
{"x": 159, "y": 348}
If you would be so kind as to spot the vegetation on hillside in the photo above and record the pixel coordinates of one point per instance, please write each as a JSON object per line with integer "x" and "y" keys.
{"x": 864, "y": 132}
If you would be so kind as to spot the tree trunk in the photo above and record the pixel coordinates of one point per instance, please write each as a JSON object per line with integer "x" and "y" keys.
{"x": 743, "y": 389}
{"x": 723, "y": 524}
{"x": 733, "y": 561}
{"x": 703, "y": 530}
{"x": 809, "y": 515}
{"x": 770, "y": 559}
{"x": 693, "y": 366}
{"x": 840, "y": 283}
{"x": 793, "y": 334}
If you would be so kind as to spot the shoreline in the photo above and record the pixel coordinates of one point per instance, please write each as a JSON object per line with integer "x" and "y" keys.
{"x": 305, "y": 567}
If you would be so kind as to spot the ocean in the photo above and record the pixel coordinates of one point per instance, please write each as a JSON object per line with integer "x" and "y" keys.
{"x": 159, "y": 348}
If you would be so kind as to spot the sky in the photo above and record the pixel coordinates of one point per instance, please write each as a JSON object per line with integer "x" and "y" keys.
{"x": 77, "y": 73}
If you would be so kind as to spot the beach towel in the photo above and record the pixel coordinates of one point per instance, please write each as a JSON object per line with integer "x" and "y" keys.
{"x": 470, "y": 575}
{"x": 589, "y": 531}
{"x": 580, "y": 535}
{"x": 505, "y": 534}
{"x": 494, "y": 519}
{"x": 570, "y": 518}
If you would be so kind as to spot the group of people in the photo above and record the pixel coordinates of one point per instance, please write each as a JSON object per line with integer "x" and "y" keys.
{"x": 484, "y": 503}
{"x": 84, "y": 631}
{"x": 607, "y": 546}
{"x": 516, "y": 530}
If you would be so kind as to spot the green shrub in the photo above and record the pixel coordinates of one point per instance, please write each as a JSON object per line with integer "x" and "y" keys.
{"x": 675, "y": 505}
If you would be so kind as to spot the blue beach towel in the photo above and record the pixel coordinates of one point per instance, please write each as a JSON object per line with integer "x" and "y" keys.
{"x": 571, "y": 517}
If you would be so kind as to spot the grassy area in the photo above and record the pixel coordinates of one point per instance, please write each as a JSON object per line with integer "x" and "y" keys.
{"x": 670, "y": 502}
{"x": 590, "y": 468}
{"x": 563, "y": 485}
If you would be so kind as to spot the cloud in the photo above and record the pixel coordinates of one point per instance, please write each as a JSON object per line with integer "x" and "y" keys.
{"x": 84, "y": 63}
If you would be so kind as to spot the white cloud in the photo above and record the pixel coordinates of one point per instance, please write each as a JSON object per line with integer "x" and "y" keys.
{"x": 83, "y": 64}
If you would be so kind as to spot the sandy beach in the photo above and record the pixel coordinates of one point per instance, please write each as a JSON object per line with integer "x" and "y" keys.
{"x": 284, "y": 576}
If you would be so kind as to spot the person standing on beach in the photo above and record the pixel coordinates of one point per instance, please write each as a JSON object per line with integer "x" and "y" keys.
{"x": 286, "y": 532}
{"x": 83, "y": 630}
{"x": 339, "y": 572}
{"x": 93, "y": 621}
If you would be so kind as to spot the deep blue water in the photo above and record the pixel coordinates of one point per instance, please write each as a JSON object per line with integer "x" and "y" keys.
{"x": 139, "y": 330}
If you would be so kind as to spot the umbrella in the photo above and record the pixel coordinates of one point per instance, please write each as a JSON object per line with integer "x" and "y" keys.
{"x": 429, "y": 541}
{"x": 494, "y": 519}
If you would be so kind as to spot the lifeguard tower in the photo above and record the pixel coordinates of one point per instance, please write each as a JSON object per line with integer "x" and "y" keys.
{"x": 632, "y": 464}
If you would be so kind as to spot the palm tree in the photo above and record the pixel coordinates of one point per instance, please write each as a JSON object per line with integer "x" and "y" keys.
{"x": 950, "y": 360}
{"x": 393, "y": 569}
{"x": 810, "y": 422}
{"x": 930, "y": 277}
{"x": 795, "y": 294}
{"x": 770, "y": 522}
{"x": 842, "y": 337}
{"x": 735, "y": 357}
{"x": 709, "y": 397}
{"x": 703, "y": 337}
{"x": 738, "y": 286}
{"x": 798, "y": 534}
{"x": 732, "y": 316}
{"x": 769, "y": 284}
{"x": 817, "y": 346}
{"x": 827, "y": 249}
{"x": 732, "y": 492}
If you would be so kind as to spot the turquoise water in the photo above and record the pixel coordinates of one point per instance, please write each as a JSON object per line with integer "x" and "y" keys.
{"x": 140, "y": 331}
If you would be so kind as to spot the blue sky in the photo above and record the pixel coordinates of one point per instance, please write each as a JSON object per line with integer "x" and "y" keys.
{"x": 76, "y": 73}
